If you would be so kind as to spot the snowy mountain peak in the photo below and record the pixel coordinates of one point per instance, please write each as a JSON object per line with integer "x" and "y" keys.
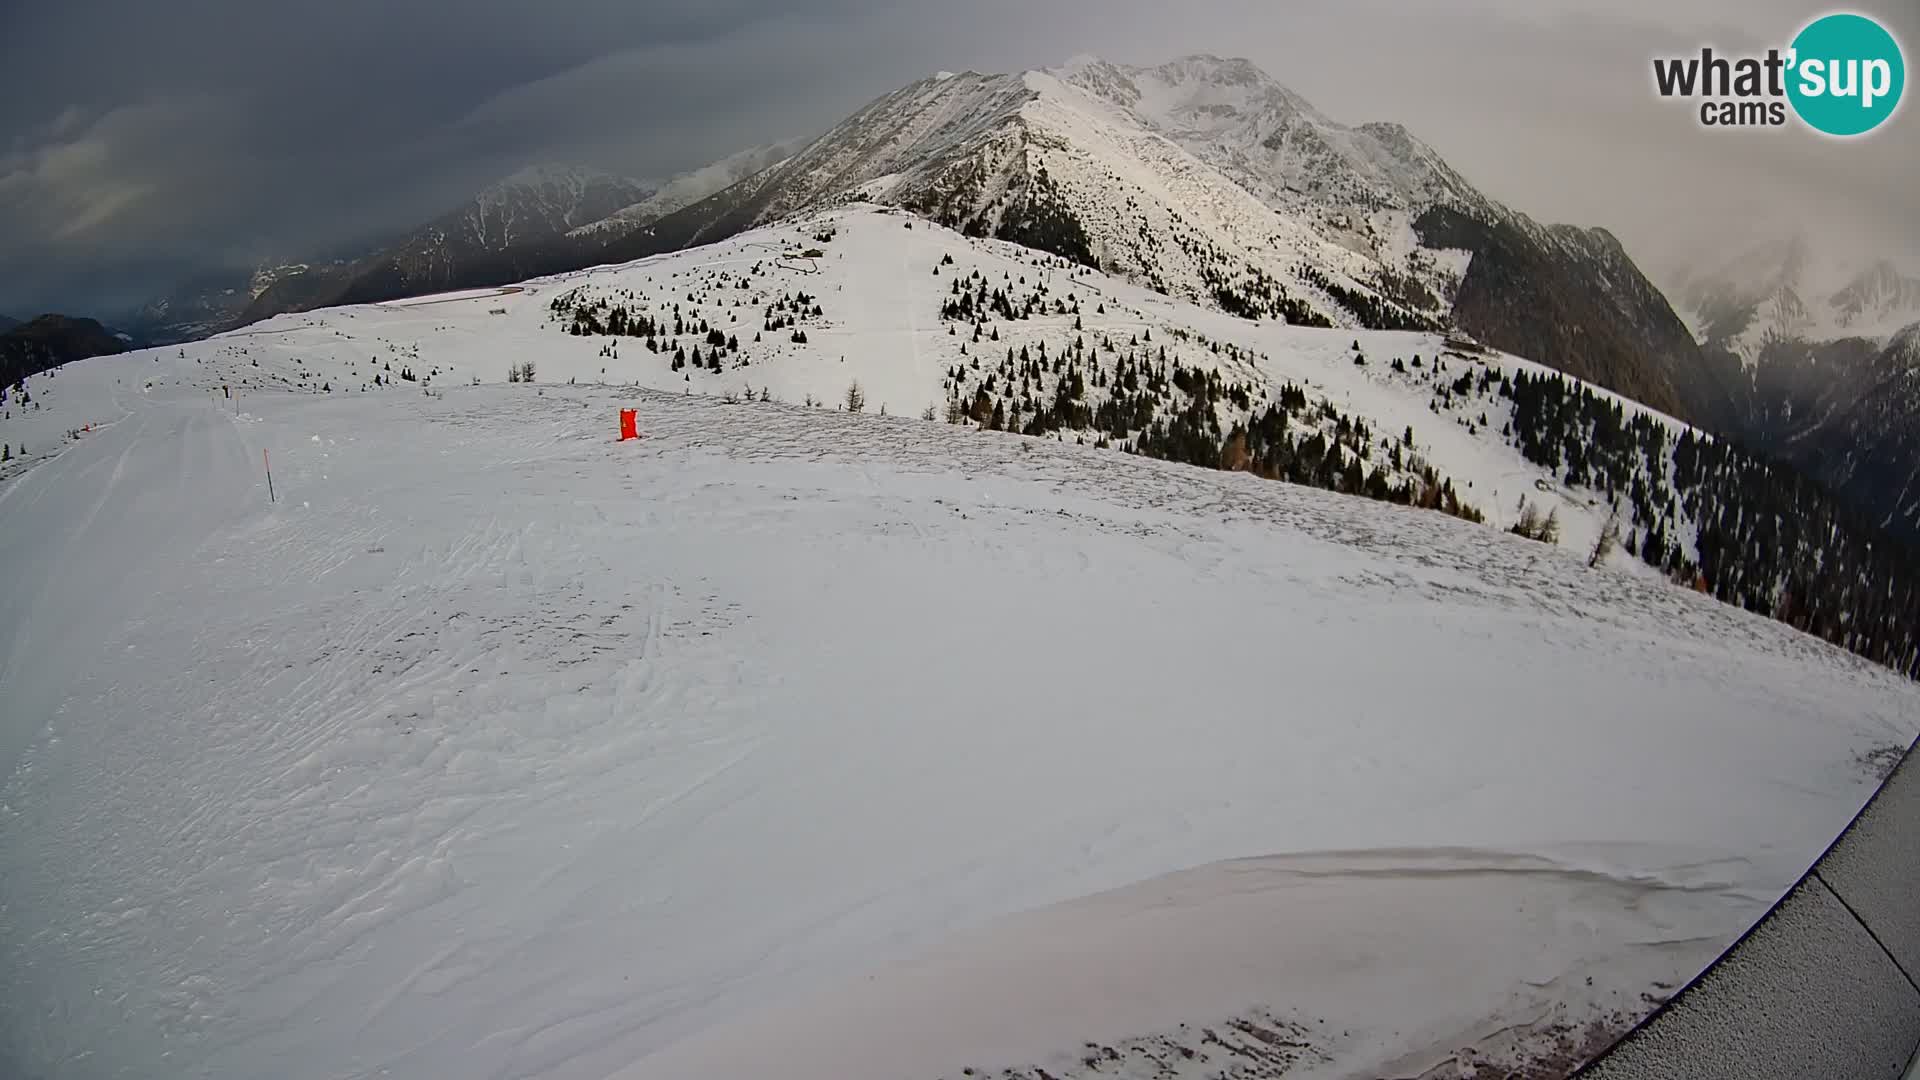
{"x": 1201, "y": 92}
{"x": 1878, "y": 293}
{"x": 1270, "y": 140}
{"x": 550, "y": 178}
{"x": 1789, "y": 287}
{"x": 541, "y": 201}
{"x": 1099, "y": 78}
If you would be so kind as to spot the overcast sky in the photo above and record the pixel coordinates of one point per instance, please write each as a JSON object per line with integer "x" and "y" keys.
{"x": 142, "y": 141}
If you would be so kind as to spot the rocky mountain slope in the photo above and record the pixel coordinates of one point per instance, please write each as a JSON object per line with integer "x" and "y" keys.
{"x": 684, "y": 189}
{"x": 1846, "y": 412}
{"x": 210, "y": 303}
{"x": 541, "y": 220}
{"x": 511, "y": 229}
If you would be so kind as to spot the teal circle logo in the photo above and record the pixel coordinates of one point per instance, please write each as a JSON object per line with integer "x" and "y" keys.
{"x": 1847, "y": 75}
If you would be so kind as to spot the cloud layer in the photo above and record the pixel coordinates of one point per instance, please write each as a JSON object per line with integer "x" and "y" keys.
{"x": 152, "y": 142}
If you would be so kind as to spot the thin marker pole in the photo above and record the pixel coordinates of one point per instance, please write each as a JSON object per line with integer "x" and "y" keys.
{"x": 269, "y": 465}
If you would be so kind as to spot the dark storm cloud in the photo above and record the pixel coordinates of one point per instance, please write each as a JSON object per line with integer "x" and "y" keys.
{"x": 216, "y": 132}
{"x": 144, "y": 141}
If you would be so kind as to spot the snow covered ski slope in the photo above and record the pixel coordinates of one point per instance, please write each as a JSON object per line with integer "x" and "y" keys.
{"x": 791, "y": 742}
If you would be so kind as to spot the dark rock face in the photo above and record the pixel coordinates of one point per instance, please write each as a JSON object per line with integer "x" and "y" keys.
{"x": 1846, "y": 413}
{"x": 1571, "y": 298}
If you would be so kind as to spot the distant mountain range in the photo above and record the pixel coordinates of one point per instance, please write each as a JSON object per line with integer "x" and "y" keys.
{"x": 1786, "y": 288}
{"x": 539, "y": 220}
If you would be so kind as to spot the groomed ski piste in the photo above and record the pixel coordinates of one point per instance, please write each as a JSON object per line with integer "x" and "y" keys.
{"x": 785, "y": 741}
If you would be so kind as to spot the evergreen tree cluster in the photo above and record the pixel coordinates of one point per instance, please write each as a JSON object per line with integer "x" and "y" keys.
{"x": 1406, "y": 290}
{"x": 1148, "y": 400}
{"x": 1042, "y": 220}
{"x": 1762, "y": 536}
{"x": 786, "y": 312}
{"x": 1258, "y": 295}
{"x": 584, "y": 314}
{"x": 974, "y": 299}
{"x": 679, "y": 332}
{"x": 1373, "y": 312}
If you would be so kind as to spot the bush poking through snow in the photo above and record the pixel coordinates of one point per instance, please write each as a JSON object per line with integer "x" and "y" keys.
{"x": 1608, "y": 540}
{"x": 1535, "y": 527}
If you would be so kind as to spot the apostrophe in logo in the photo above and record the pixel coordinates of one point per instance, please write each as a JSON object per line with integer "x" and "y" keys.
{"x": 1843, "y": 75}
{"x": 1848, "y": 75}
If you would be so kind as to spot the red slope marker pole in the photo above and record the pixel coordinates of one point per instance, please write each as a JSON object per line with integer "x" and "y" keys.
{"x": 269, "y": 466}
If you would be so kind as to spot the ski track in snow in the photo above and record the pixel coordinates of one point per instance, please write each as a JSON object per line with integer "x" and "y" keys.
{"x": 496, "y": 748}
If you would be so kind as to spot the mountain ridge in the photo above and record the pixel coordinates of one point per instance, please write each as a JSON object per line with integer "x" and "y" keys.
{"x": 1146, "y": 172}
{"x": 1202, "y": 177}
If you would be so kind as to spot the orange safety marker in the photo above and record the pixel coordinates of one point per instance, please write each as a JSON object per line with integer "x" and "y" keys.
{"x": 629, "y": 424}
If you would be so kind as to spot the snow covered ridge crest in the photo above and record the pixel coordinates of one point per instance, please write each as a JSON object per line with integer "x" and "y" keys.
{"x": 1075, "y": 163}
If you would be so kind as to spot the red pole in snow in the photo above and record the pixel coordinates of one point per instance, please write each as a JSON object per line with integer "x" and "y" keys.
{"x": 269, "y": 466}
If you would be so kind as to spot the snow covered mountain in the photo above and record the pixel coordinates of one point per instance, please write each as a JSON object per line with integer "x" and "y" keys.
{"x": 1820, "y": 366}
{"x": 1206, "y": 180}
{"x": 789, "y": 741}
{"x": 509, "y": 224}
{"x": 1037, "y": 160}
{"x": 1787, "y": 288}
{"x": 540, "y": 202}
{"x": 512, "y": 228}
{"x": 1273, "y": 142}
{"x": 206, "y": 304}
{"x": 1203, "y": 179}
{"x": 685, "y": 189}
